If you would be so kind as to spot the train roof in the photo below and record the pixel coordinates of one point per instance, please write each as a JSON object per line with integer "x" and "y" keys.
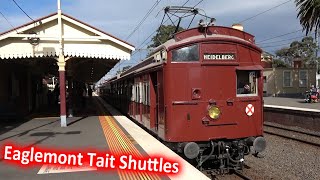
{"x": 194, "y": 35}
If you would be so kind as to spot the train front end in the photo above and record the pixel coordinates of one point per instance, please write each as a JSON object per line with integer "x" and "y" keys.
{"x": 214, "y": 97}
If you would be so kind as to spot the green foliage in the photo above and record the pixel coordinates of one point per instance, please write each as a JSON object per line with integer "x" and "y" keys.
{"x": 309, "y": 14}
{"x": 279, "y": 63}
{"x": 123, "y": 69}
{"x": 164, "y": 33}
{"x": 303, "y": 50}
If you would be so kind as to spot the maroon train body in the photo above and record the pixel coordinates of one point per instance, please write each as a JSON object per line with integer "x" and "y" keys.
{"x": 201, "y": 93}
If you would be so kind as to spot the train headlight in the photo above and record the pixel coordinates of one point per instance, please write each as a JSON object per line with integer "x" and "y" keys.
{"x": 214, "y": 112}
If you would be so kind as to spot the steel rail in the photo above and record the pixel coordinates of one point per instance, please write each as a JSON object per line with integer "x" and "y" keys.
{"x": 241, "y": 175}
{"x": 292, "y": 138}
{"x": 293, "y": 130}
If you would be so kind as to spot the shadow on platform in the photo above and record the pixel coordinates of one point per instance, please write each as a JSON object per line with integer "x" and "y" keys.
{"x": 78, "y": 112}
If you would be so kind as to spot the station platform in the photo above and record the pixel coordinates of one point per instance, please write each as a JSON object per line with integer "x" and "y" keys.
{"x": 98, "y": 127}
{"x": 291, "y": 103}
{"x": 292, "y": 112}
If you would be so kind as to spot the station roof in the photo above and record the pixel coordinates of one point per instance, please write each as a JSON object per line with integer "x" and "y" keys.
{"x": 83, "y": 44}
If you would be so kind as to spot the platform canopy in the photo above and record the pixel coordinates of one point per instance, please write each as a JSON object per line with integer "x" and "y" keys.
{"x": 89, "y": 52}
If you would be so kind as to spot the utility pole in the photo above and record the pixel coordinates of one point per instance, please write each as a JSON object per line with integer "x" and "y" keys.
{"x": 316, "y": 57}
{"x": 316, "y": 36}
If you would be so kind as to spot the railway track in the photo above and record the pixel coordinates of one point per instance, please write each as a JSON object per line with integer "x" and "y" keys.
{"x": 296, "y": 135}
{"x": 241, "y": 175}
{"x": 234, "y": 174}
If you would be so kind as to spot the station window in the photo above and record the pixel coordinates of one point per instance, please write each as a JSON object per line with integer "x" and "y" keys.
{"x": 287, "y": 79}
{"x": 303, "y": 78}
{"x": 186, "y": 54}
{"x": 247, "y": 84}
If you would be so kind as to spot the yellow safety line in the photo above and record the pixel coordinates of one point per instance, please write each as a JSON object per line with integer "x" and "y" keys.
{"x": 124, "y": 145}
{"x": 110, "y": 143}
{"x": 119, "y": 137}
{"x": 114, "y": 146}
{"x": 145, "y": 175}
{"x": 123, "y": 137}
{"x": 110, "y": 134}
{"x": 115, "y": 136}
{"x": 126, "y": 139}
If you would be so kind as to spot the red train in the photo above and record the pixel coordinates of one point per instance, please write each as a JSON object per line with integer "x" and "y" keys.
{"x": 201, "y": 93}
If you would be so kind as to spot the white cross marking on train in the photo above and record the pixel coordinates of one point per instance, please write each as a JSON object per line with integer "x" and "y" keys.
{"x": 249, "y": 109}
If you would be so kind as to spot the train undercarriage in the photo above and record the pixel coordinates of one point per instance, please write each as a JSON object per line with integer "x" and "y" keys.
{"x": 219, "y": 156}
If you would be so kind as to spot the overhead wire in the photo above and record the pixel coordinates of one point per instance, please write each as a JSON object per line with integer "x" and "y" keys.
{"x": 140, "y": 46}
{"x": 22, "y": 9}
{"x": 278, "y": 36}
{"x": 267, "y": 46}
{"x": 275, "y": 45}
{"x": 264, "y": 11}
{"x": 249, "y": 18}
{"x": 281, "y": 40}
{"x": 8, "y": 21}
{"x": 260, "y": 42}
{"x": 164, "y": 22}
{"x": 144, "y": 18}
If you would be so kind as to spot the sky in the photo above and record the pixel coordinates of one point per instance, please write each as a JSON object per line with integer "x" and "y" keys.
{"x": 121, "y": 17}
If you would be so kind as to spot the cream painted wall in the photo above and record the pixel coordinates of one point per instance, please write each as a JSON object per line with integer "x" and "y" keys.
{"x": 275, "y": 81}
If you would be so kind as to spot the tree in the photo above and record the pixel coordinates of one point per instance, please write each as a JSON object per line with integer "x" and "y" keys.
{"x": 283, "y": 55}
{"x": 164, "y": 33}
{"x": 278, "y": 63}
{"x": 123, "y": 69}
{"x": 309, "y": 14}
{"x": 303, "y": 50}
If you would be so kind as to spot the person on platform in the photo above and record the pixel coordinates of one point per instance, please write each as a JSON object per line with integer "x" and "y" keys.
{"x": 83, "y": 97}
{"x": 89, "y": 91}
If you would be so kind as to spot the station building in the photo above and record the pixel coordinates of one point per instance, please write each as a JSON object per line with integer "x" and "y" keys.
{"x": 56, "y": 45}
{"x": 291, "y": 81}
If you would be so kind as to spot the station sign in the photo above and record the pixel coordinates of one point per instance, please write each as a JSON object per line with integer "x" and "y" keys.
{"x": 219, "y": 56}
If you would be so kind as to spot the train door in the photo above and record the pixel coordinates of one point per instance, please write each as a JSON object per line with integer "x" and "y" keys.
{"x": 154, "y": 101}
{"x": 157, "y": 107}
{"x": 160, "y": 103}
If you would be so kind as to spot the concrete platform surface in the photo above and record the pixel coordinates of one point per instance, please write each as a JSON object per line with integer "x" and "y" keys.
{"x": 92, "y": 128}
{"x": 290, "y": 102}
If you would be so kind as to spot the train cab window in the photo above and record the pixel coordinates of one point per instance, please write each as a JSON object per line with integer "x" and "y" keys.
{"x": 247, "y": 84}
{"x": 186, "y": 54}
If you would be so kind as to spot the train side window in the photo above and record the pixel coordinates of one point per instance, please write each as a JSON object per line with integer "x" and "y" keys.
{"x": 185, "y": 54}
{"x": 144, "y": 94}
{"x": 137, "y": 94}
{"x": 148, "y": 94}
{"x": 247, "y": 84}
{"x": 133, "y": 87}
